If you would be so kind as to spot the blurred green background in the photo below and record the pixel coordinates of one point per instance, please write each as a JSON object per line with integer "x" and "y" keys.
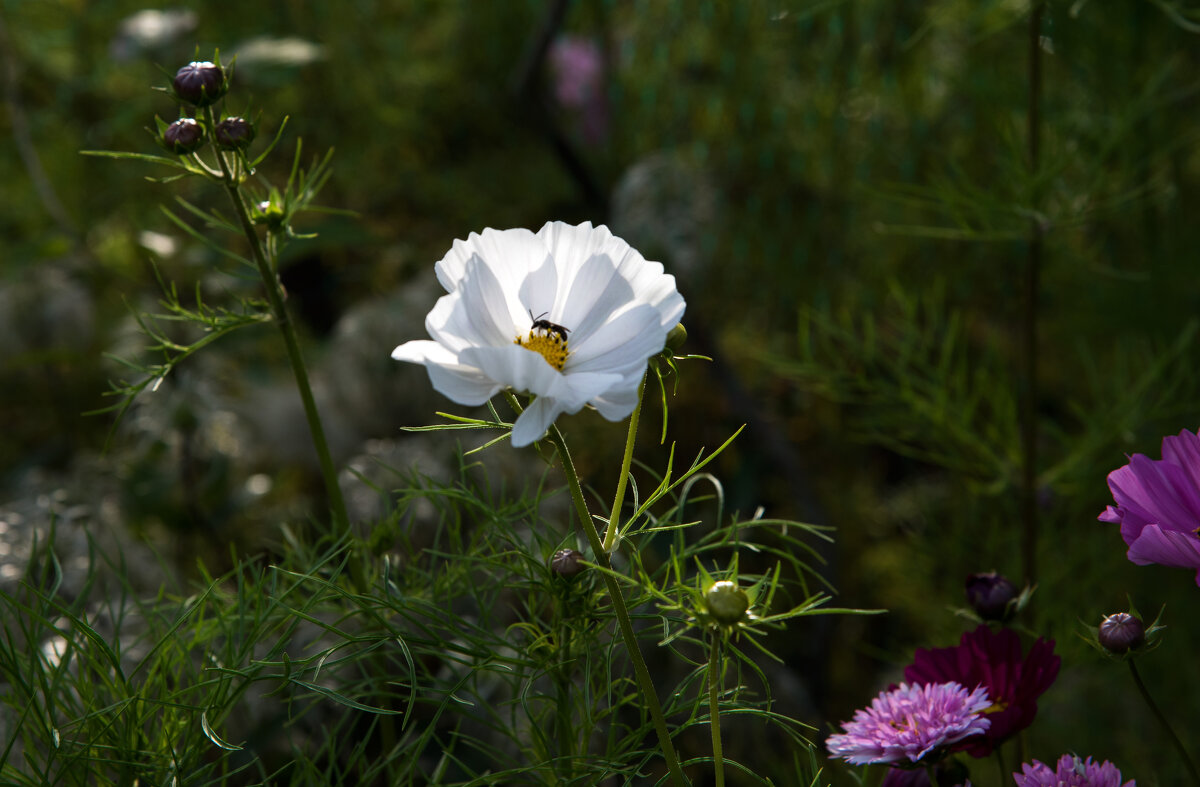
{"x": 843, "y": 190}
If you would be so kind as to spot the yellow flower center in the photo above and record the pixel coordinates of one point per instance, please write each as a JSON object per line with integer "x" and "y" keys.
{"x": 547, "y": 343}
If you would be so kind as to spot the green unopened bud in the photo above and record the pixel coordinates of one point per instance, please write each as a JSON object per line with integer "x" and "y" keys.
{"x": 727, "y": 603}
{"x": 269, "y": 213}
{"x": 234, "y": 133}
{"x": 676, "y": 337}
{"x": 183, "y": 136}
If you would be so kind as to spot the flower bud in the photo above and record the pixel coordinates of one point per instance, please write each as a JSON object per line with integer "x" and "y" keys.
{"x": 676, "y": 337}
{"x": 200, "y": 83}
{"x": 990, "y": 595}
{"x": 183, "y": 136}
{"x": 726, "y": 602}
{"x": 269, "y": 213}
{"x": 567, "y": 562}
{"x": 1121, "y": 632}
{"x": 234, "y": 133}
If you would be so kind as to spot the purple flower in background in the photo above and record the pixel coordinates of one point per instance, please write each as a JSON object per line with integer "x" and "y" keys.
{"x": 577, "y": 66}
{"x": 907, "y": 723}
{"x": 1158, "y": 504}
{"x": 1071, "y": 772}
{"x": 994, "y": 661}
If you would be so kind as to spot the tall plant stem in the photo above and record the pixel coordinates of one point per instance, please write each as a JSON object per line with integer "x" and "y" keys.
{"x": 1027, "y": 389}
{"x": 614, "y": 520}
{"x": 1166, "y": 725}
{"x": 562, "y": 680}
{"x": 645, "y": 682}
{"x": 279, "y": 312}
{"x": 714, "y": 709}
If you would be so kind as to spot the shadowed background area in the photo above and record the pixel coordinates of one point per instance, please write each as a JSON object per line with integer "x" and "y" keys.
{"x": 845, "y": 192}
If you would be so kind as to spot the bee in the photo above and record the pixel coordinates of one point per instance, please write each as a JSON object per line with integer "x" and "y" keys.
{"x": 540, "y": 324}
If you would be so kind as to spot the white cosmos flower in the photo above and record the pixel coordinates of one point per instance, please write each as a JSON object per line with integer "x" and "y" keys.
{"x": 569, "y": 314}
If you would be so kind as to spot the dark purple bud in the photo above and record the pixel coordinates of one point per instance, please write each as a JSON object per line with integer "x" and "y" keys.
{"x": 1121, "y": 632}
{"x": 183, "y": 136}
{"x": 200, "y": 83}
{"x": 567, "y": 562}
{"x": 234, "y": 133}
{"x": 990, "y": 594}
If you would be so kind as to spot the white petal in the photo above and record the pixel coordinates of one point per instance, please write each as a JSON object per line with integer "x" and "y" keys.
{"x": 448, "y": 325}
{"x": 462, "y": 384}
{"x": 521, "y": 369}
{"x": 450, "y": 269}
{"x": 663, "y": 296}
{"x": 619, "y": 345}
{"x": 618, "y": 402}
{"x": 573, "y": 246}
{"x": 597, "y": 293}
{"x": 510, "y": 253}
{"x": 457, "y": 382}
{"x": 576, "y": 390}
{"x": 422, "y": 351}
{"x": 539, "y": 292}
{"x": 533, "y": 423}
{"x": 487, "y": 306}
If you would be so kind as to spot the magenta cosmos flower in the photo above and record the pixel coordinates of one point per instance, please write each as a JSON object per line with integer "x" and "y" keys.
{"x": 907, "y": 723}
{"x": 992, "y": 660}
{"x": 1071, "y": 772}
{"x": 1158, "y": 504}
{"x": 570, "y": 315}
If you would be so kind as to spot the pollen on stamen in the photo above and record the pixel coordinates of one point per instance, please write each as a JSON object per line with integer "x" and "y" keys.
{"x": 547, "y": 344}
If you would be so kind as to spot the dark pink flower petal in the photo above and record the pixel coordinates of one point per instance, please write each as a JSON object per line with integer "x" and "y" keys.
{"x": 992, "y": 660}
{"x": 1157, "y": 504}
{"x": 1166, "y": 548}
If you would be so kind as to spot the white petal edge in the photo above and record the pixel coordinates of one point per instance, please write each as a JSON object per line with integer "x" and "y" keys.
{"x": 457, "y": 382}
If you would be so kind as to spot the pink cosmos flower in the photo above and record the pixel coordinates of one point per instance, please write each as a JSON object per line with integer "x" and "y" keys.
{"x": 910, "y": 723}
{"x": 1158, "y": 504}
{"x": 1071, "y": 772}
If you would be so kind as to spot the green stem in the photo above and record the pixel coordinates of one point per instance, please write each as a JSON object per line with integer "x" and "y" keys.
{"x": 279, "y": 312}
{"x": 649, "y": 694}
{"x": 614, "y": 520}
{"x": 1166, "y": 725}
{"x": 714, "y": 710}
{"x": 562, "y": 677}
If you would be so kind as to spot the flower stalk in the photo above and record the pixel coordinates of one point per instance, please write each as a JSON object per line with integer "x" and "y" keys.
{"x": 265, "y": 260}
{"x": 614, "y": 520}
{"x": 649, "y": 694}
{"x": 714, "y": 709}
{"x": 1166, "y": 725}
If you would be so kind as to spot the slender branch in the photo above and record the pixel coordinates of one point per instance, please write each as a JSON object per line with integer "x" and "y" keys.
{"x": 279, "y": 311}
{"x": 714, "y": 709}
{"x": 645, "y": 682}
{"x": 1166, "y": 725}
{"x": 614, "y": 520}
